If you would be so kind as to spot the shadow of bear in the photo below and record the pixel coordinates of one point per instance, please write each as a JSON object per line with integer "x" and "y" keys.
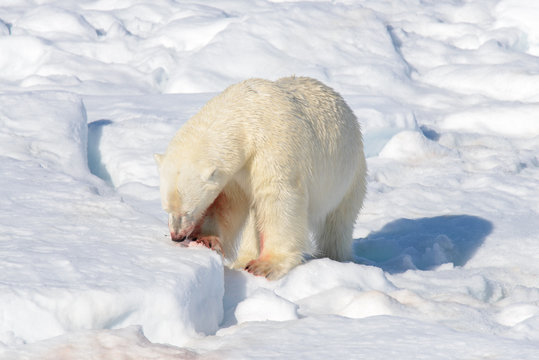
{"x": 422, "y": 244}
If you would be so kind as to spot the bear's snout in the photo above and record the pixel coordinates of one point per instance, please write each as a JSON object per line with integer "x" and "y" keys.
{"x": 181, "y": 228}
{"x": 177, "y": 231}
{"x": 177, "y": 237}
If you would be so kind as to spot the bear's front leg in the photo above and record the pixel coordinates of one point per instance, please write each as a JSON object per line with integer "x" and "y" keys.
{"x": 249, "y": 246}
{"x": 283, "y": 236}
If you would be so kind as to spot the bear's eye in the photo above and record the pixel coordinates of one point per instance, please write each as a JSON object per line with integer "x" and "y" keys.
{"x": 210, "y": 175}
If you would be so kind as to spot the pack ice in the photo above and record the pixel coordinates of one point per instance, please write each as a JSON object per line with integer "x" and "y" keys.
{"x": 446, "y": 251}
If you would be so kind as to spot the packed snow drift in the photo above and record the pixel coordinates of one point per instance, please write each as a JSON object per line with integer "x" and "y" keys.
{"x": 446, "y": 249}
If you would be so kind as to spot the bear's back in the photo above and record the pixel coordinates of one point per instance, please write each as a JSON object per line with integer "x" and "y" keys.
{"x": 308, "y": 129}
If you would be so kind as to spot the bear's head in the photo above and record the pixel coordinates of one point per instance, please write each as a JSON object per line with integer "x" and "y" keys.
{"x": 187, "y": 188}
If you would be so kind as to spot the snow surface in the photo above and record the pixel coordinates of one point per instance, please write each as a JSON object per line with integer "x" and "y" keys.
{"x": 447, "y": 246}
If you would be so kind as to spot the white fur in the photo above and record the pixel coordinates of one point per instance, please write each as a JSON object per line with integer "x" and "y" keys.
{"x": 276, "y": 159}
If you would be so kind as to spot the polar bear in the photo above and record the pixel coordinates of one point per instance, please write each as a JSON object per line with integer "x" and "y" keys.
{"x": 271, "y": 163}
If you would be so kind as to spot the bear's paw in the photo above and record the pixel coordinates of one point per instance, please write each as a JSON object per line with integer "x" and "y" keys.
{"x": 211, "y": 242}
{"x": 272, "y": 270}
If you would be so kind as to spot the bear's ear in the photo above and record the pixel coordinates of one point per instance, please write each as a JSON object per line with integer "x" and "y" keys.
{"x": 158, "y": 158}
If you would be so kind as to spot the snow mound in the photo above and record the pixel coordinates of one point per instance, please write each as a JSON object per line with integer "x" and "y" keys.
{"x": 247, "y": 48}
{"x": 50, "y": 19}
{"x": 128, "y": 343}
{"x": 500, "y": 83}
{"x": 412, "y": 147}
{"x": 265, "y": 305}
{"x": 31, "y": 130}
{"x": 21, "y": 56}
{"x": 517, "y": 313}
{"x": 111, "y": 151}
{"x": 351, "y": 303}
{"x": 82, "y": 258}
{"x": 380, "y": 119}
{"x": 320, "y": 275}
{"x": 520, "y": 14}
{"x": 514, "y": 121}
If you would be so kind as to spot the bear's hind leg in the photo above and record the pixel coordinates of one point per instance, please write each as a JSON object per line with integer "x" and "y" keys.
{"x": 334, "y": 236}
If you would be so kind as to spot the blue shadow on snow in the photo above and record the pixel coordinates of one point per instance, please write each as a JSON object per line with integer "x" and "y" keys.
{"x": 423, "y": 244}
{"x": 95, "y": 163}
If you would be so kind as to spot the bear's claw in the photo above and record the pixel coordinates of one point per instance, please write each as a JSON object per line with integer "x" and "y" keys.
{"x": 211, "y": 242}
